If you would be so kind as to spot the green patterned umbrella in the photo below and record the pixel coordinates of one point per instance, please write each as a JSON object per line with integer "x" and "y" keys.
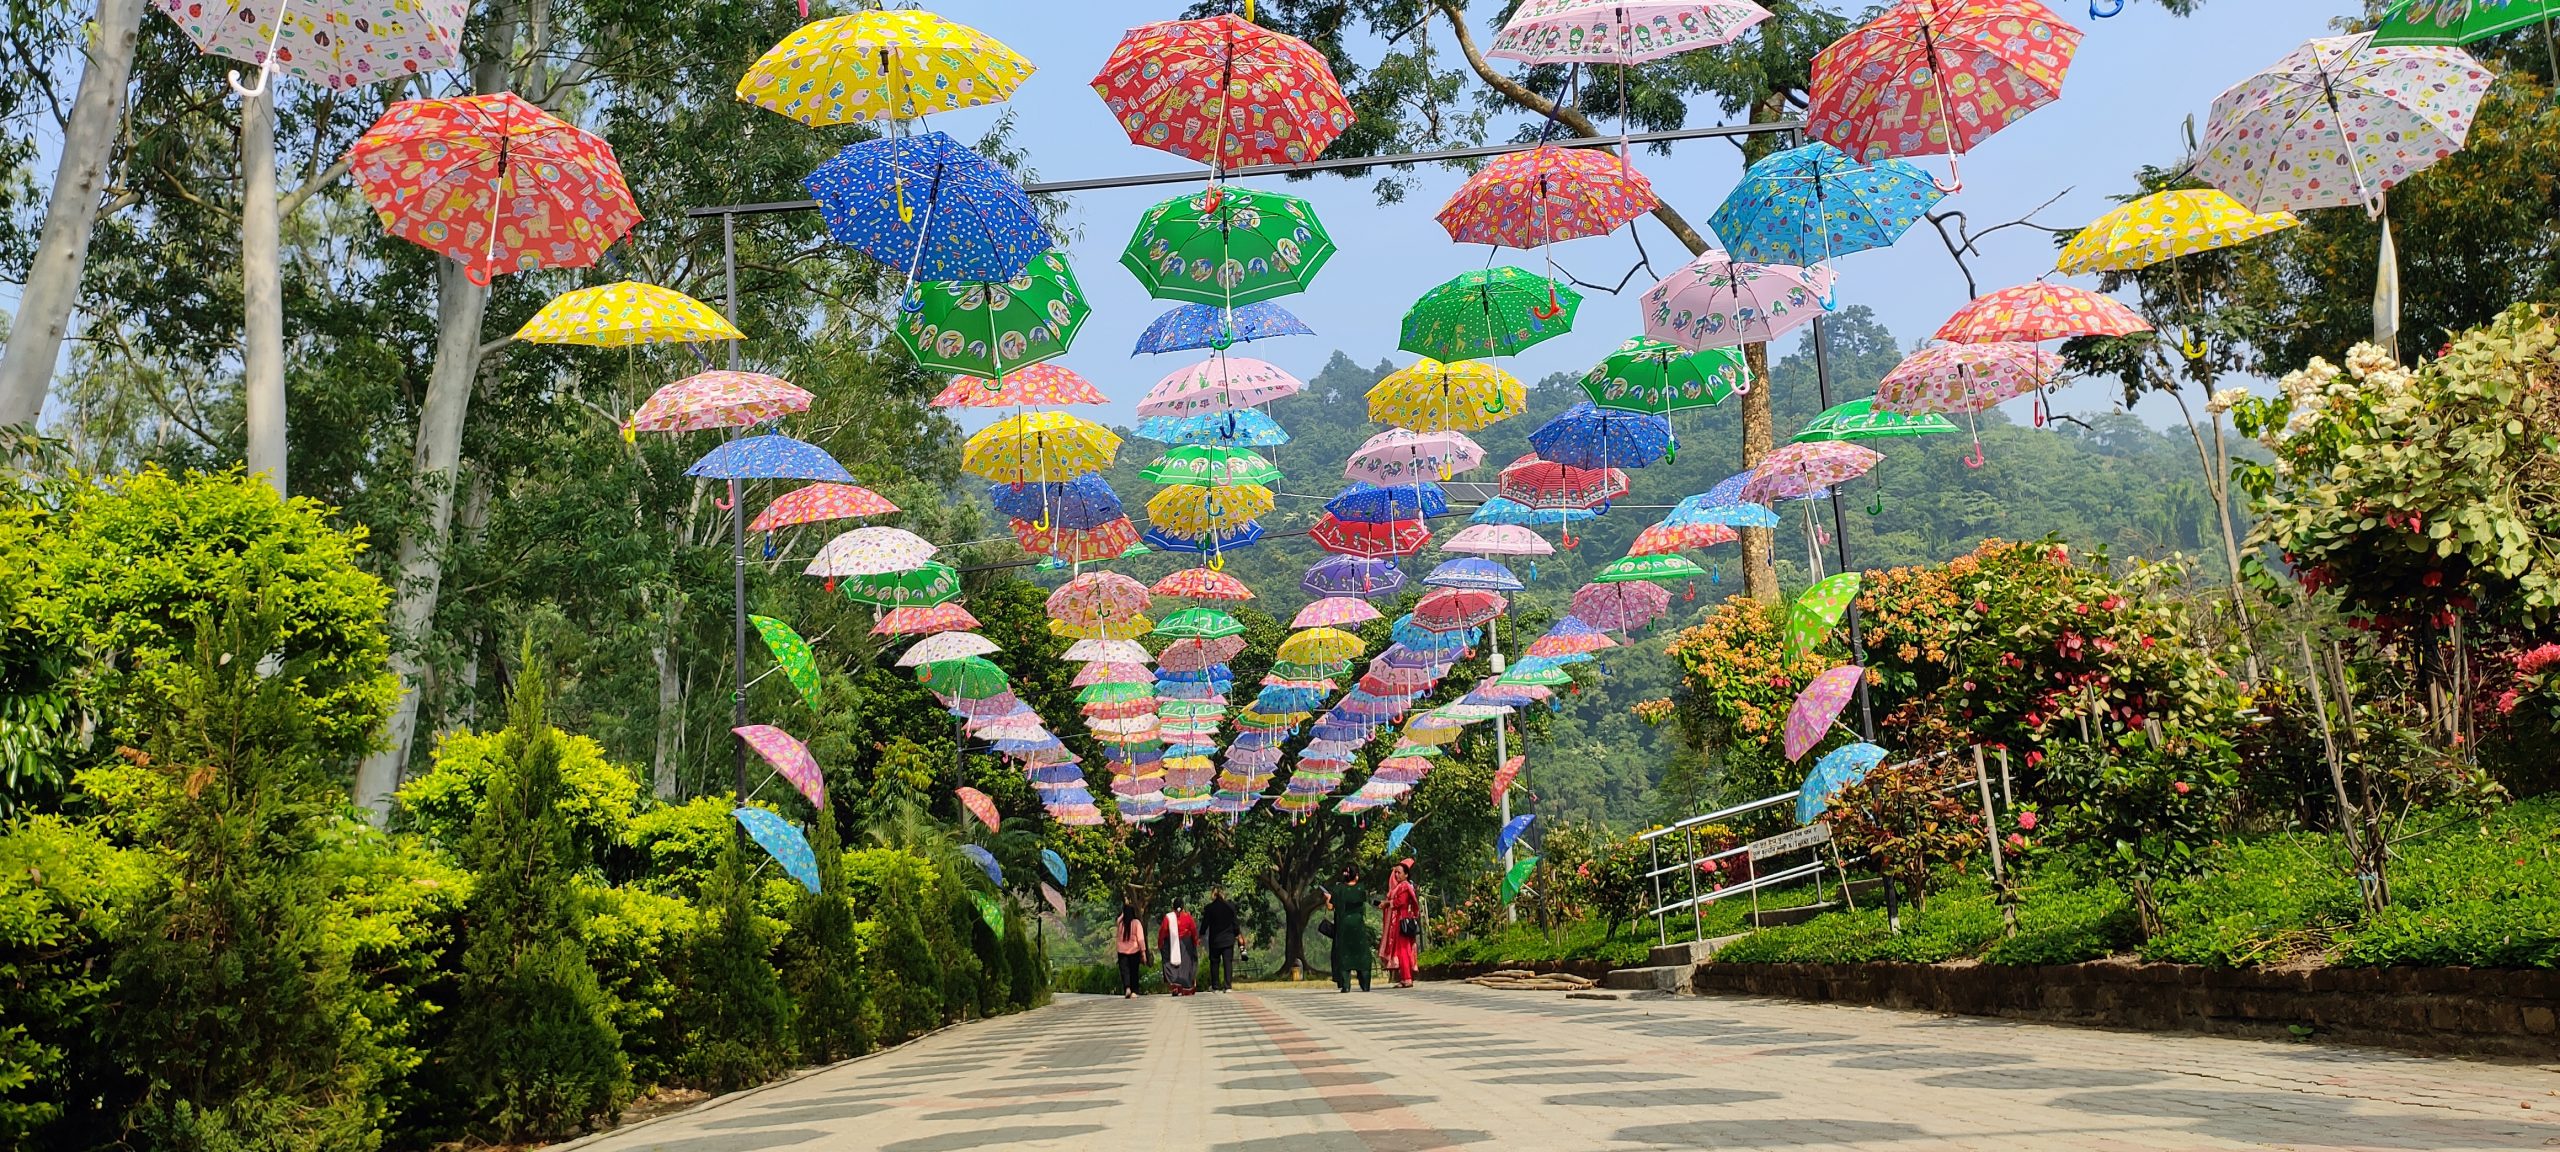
{"x": 1295, "y": 670}
{"x": 1227, "y": 246}
{"x": 1810, "y": 618}
{"x": 2443, "y": 23}
{"x": 989, "y": 911}
{"x": 1858, "y": 420}
{"x": 1649, "y": 375}
{"x": 1211, "y": 465}
{"x": 1199, "y": 624}
{"x": 1114, "y": 693}
{"x": 986, "y": 329}
{"x": 1662, "y": 568}
{"x": 1517, "y": 878}
{"x": 1549, "y": 677}
{"x": 924, "y": 587}
{"x": 1494, "y": 312}
{"x": 969, "y": 678}
{"x": 792, "y": 652}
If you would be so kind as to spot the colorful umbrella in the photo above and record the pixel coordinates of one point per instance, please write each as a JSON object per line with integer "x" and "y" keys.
{"x": 789, "y": 757}
{"x": 1510, "y": 833}
{"x": 718, "y": 400}
{"x": 1195, "y": 326}
{"x": 1589, "y": 436}
{"x": 1341, "y": 575}
{"x": 1221, "y": 383}
{"x": 1503, "y": 776}
{"x": 1211, "y": 465}
{"x": 625, "y": 313}
{"x": 1104, "y": 672}
{"x": 2337, "y": 122}
{"x": 1535, "y": 483}
{"x": 947, "y": 646}
{"x": 1371, "y": 541}
{"x": 1657, "y": 569}
{"x": 1227, "y": 247}
{"x": 1498, "y": 540}
{"x": 1517, "y": 878}
{"x": 986, "y": 862}
{"x": 1038, "y": 448}
{"x": 1403, "y": 457}
{"x": 1203, "y": 653}
{"x": 1104, "y": 541}
{"x": 1649, "y": 375}
{"x": 1027, "y": 386}
{"x": 1838, "y": 768}
{"x": 2033, "y": 312}
{"x": 1619, "y": 607}
{"x": 1808, "y": 205}
{"x": 1334, "y": 611}
{"x": 881, "y": 65}
{"x": 930, "y": 208}
{"x": 1937, "y": 75}
{"x": 925, "y": 585}
{"x": 1814, "y": 613}
{"x": 1546, "y": 194}
{"x": 1431, "y": 396}
{"x": 1057, "y": 866}
{"x": 1208, "y": 543}
{"x": 1619, "y": 31}
{"x": 1120, "y": 693}
{"x": 331, "y": 43}
{"x": 1223, "y": 91}
{"x": 788, "y": 847}
{"x": 1858, "y": 420}
{"x": 817, "y": 503}
{"x": 990, "y": 328}
{"x": 1502, "y": 511}
{"x": 1366, "y": 503}
{"x": 1082, "y": 503}
{"x": 1449, "y": 609}
{"x": 1722, "y": 504}
{"x": 1244, "y": 428}
{"x": 967, "y": 678}
{"x": 494, "y": 184}
{"x": 1570, "y": 636}
{"x": 1097, "y": 599}
{"x": 870, "y": 552}
{"x": 1796, "y": 471}
{"x": 1201, "y": 584}
{"x": 1817, "y": 706}
{"x": 1192, "y": 511}
{"x": 1663, "y": 539}
{"x": 1321, "y": 646}
{"x": 2446, "y": 22}
{"x": 1116, "y": 651}
{"x": 924, "y": 620}
{"x": 2163, "y": 227}
{"x": 1716, "y": 301}
{"x": 1473, "y": 572}
{"x": 1199, "y": 624}
{"x": 1966, "y": 377}
{"x": 989, "y": 911}
{"x": 768, "y": 458}
{"x": 792, "y": 653}
{"x": 979, "y": 805}
{"x": 1492, "y": 312}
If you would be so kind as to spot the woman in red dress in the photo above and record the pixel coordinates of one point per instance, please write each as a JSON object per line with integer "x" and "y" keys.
{"x": 1403, "y": 934}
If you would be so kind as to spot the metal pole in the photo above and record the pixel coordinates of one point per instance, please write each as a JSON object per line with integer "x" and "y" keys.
{"x": 1840, "y": 534}
{"x": 737, "y": 510}
{"x": 1661, "y": 926}
{"x": 1501, "y": 756}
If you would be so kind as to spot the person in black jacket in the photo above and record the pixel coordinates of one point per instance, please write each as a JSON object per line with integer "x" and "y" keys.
{"x": 1218, "y": 927}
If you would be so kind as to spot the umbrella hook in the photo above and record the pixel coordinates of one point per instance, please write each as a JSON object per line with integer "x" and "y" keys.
{"x": 723, "y": 503}
{"x": 2043, "y": 413}
{"x": 2104, "y": 9}
{"x": 1975, "y": 458}
{"x": 1875, "y": 507}
{"x": 266, "y": 61}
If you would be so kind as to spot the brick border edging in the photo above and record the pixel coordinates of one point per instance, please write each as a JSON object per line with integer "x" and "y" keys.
{"x": 2450, "y": 1011}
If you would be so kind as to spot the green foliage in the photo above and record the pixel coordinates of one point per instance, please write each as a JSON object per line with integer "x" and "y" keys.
{"x": 2479, "y": 891}
{"x": 679, "y": 846}
{"x": 2140, "y": 811}
{"x": 629, "y": 935}
{"x": 1904, "y": 819}
{"x": 2273, "y": 901}
{"x": 1586, "y": 939}
{"x": 38, "y": 729}
{"x": 737, "y": 1015}
{"x": 66, "y": 894}
{"x": 822, "y": 961}
{"x": 596, "y": 802}
{"x": 888, "y": 885}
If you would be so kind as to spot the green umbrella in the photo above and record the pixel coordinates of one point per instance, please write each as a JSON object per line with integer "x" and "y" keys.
{"x": 1199, "y": 624}
{"x": 792, "y": 652}
{"x": 1858, "y": 420}
{"x": 989, "y": 911}
{"x": 1536, "y": 678}
{"x": 1810, "y": 618}
{"x": 949, "y": 325}
{"x": 1665, "y": 568}
{"x": 1649, "y": 375}
{"x": 922, "y": 587}
{"x": 969, "y": 677}
{"x": 1113, "y": 693}
{"x": 1227, "y": 246}
{"x": 1210, "y": 465}
{"x": 1517, "y": 878}
{"x": 1494, "y": 312}
{"x": 1425, "y": 751}
{"x": 1293, "y": 670}
{"x": 1190, "y": 710}
{"x": 2440, "y": 23}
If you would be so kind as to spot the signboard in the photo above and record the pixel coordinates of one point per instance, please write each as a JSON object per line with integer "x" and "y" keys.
{"x": 1811, "y": 835}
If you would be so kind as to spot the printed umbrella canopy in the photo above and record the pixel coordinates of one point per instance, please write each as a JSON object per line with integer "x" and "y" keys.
{"x": 1333, "y": 611}
{"x": 1057, "y": 866}
{"x": 1490, "y": 312}
{"x": 1223, "y": 91}
{"x": 1431, "y": 396}
{"x": 2445, "y": 22}
{"x": 1546, "y": 194}
{"x": 1401, "y": 457}
{"x": 1517, "y": 878}
{"x": 1211, "y": 465}
{"x": 1649, "y": 375}
{"x": 1808, "y": 205}
{"x": 1473, "y": 572}
{"x": 718, "y": 400}
{"x": 818, "y": 503}
{"x": 1502, "y": 511}
{"x": 1026, "y": 386}
{"x": 1117, "y": 692}
{"x": 1208, "y": 543}
{"x": 1571, "y": 636}
{"x": 2338, "y": 121}
{"x": 1341, "y": 575}
{"x": 768, "y": 458}
{"x": 1096, "y": 600}
{"x": 1221, "y": 383}
{"x": 789, "y": 757}
{"x": 1722, "y": 504}
{"x": 1321, "y": 646}
{"x": 1109, "y": 673}
{"x": 1662, "y": 569}
{"x": 967, "y": 678}
{"x": 929, "y": 207}
{"x": 870, "y": 552}
{"x": 927, "y": 584}
{"x": 1798, "y": 470}
{"x": 1243, "y": 428}
{"x": 881, "y": 65}
{"x": 947, "y": 646}
{"x": 1929, "y": 76}
{"x": 1817, "y": 706}
{"x": 988, "y": 328}
{"x": 1116, "y": 651}
{"x": 494, "y": 184}
{"x": 986, "y": 862}
{"x": 1814, "y": 613}
{"x": 623, "y": 314}
{"x": 1536, "y": 483}
{"x": 792, "y": 653}
{"x": 979, "y": 805}
{"x": 1503, "y": 776}
{"x": 2164, "y": 226}
{"x": 1838, "y": 768}
{"x": 1589, "y": 436}
{"x": 334, "y": 43}
{"x": 1858, "y": 420}
{"x": 1188, "y": 510}
{"x": 1449, "y": 609}
{"x": 1202, "y": 653}
{"x": 1663, "y": 539}
{"x": 788, "y": 847}
{"x": 1199, "y": 624}
{"x": 1195, "y": 326}
{"x": 1626, "y": 32}
{"x": 1536, "y": 677}
{"x": 924, "y": 620}
{"x": 1716, "y": 301}
{"x": 1389, "y": 680}
{"x": 1201, "y": 584}
{"x": 1104, "y": 541}
{"x": 1966, "y": 377}
{"x": 1227, "y": 247}
{"x": 1498, "y": 540}
{"x": 1352, "y": 538}
{"x": 1038, "y": 448}
{"x": 1510, "y": 833}
{"x": 1366, "y": 503}
{"x": 1619, "y": 607}
{"x": 1082, "y": 503}
{"x": 2033, "y": 312}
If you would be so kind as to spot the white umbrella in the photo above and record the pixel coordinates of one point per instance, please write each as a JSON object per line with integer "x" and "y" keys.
{"x": 1720, "y": 302}
{"x": 2337, "y": 122}
{"x": 947, "y": 646}
{"x": 871, "y": 552}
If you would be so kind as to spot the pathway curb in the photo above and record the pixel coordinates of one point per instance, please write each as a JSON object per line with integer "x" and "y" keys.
{"x": 792, "y": 1077}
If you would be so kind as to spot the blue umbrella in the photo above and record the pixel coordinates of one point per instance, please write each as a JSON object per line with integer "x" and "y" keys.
{"x": 986, "y": 862}
{"x": 1838, "y": 768}
{"x": 1194, "y": 326}
{"x": 1056, "y": 864}
{"x": 1542, "y": 663}
{"x": 1807, "y": 205}
{"x": 1722, "y": 504}
{"x": 1510, "y": 833}
{"x": 1505, "y": 510}
{"x": 768, "y": 458}
{"x": 1366, "y": 503}
{"x": 1353, "y": 576}
{"x": 1422, "y": 639}
{"x": 1587, "y": 436}
{"x": 1084, "y": 502}
{"x": 1214, "y": 542}
{"x": 929, "y": 207}
{"x": 1474, "y": 572}
{"x": 789, "y": 848}
{"x": 1053, "y": 774}
{"x": 1395, "y": 839}
{"x": 1242, "y": 428}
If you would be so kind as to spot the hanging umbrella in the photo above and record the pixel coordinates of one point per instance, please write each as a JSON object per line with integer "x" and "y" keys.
{"x": 1099, "y": 600}
{"x": 1517, "y": 878}
{"x": 1570, "y": 636}
{"x": 1618, "y": 31}
{"x": 1664, "y": 539}
{"x": 928, "y": 207}
{"x": 1510, "y": 833}
{"x": 494, "y": 184}
{"x": 1244, "y": 428}
{"x": 1665, "y": 569}
{"x": 1056, "y": 865}
{"x": 788, "y": 847}
{"x": 1449, "y": 609}
{"x": 1811, "y": 204}
{"x": 881, "y": 65}
{"x": 1037, "y": 448}
{"x": 1117, "y": 651}
{"x": 979, "y": 805}
{"x": 1619, "y": 607}
{"x": 870, "y": 552}
{"x": 1535, "y": 483}
{"x": 1207, "y": 543}
{"x": 1491, "y": 312}
{"x": 1541, "y": 677}
{"x": 1334, "y": 611}
{"x": 1966, "y": 377}
{"x": 2033, "y": 312}
{"x": 1473, "y": 572}
{"x": 1199, "y": 624}
{"x": 792, "y": 654}
{"x": 1211, "y": 465}
{"x": 1350, "y": 538}
{"x": 789, "y": 757}
{"x": 1401, "y": 457}
{"x": 947, "y": 646}
{"x": 1547, "y": 194}
{"x": 967, "y": 678}
{"x": 925, "y": 585}
{"x": 1227, "y": 247}
{"x": 1192, "y": 511}
{"x": 1082, "y": 503}
{"x": 1929, "y": 75}
{"x": 1814, "y": 613}
{"x": 623, "y": 314}
{"x": 1195, "y": 326}
{"x": 1108, "y": 673}
{"x": 1799, "y": 471}
{"x": 1431, "y": 396}
{"x": 1027, "y": 386}
{"x": 2163, "y": 227}
{"x": 1107, "y": 540}
{"x": 1838, "y": 768}
{"x": 1716, "y": 301}
{"x": 768, "y": 458}
{"x": 924, "y": 620}
{"x": 1119, "y": 692}
{"x": 818, "y": 503}
{"x": 2439, "y": 23}
{"x": 1722, "y": 504}
{"x": 1345, "y": 575}
{"x": 1858, "y": 420}
{"x": 1221, "y": 383}
{"x": 2337, "y": 122}
{"x": 1817, "y": 706}
{"x": 1498, "y": 540}
{"x": 331, "y": 43}
{"x": 1223, "y": 91}
{"x": 718, "y": 400}
{"x": 1387, "y": 680}
{"x": 986, "y": 862}
{"x": 1588, "y": 436}
{"x": 988, "y": 328}
{"x": 1201, "y": 584}
{"x": 1366, "y": 503}
{"x": 1203, "y": 653}
{"x": 1649, "y": 375}
{"x": 1321, "y": 646}
{"x": 1500, "y": 511}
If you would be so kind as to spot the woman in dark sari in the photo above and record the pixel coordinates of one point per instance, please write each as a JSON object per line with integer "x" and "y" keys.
{"x": 1352, "y": 951}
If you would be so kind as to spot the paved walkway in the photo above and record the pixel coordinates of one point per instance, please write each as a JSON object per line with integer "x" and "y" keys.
{"x": 1303, "y": 1069}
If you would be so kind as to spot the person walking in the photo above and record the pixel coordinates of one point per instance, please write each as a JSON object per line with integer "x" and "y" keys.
{"x": 1402, "y": 932}
{"x": 1178, "y": 942}
{"x": 1349, "y": 903}
{"x": 1218, "y": 925}
{"x": 1133, "y": 950}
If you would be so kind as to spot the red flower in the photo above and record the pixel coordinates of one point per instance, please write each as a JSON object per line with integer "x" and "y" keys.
{"x": 2034, "y": 758}
{"x": 2027, "y": 817}
{"x": 2183, "y": 787}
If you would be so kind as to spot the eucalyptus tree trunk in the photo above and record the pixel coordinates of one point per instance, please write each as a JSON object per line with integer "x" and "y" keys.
{"x": 79, "y": 186}
{"x": 262, "y": 288}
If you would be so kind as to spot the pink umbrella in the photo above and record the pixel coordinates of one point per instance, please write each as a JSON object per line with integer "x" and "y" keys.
{"x": 789, "y": 757}
{"x": 1333, "y": 612}
{"x": 872, "y": 551}
{"x": 1662, "y": 539}
{"x": 1119, "y": 651}
{"x": 1798, "y": 470}
{"x": 1039, "y": 385}
{"x": 1624, "y": 32}
{"x": 1720, "y": 302}
{"x": 1450, "y": 609}
{"x": 1620, "y": 606}
{"x": 1193, "y": 655}
{"x": 999, "y": 704}
{"x": 1545, "y": 195}
{"x": 1201, "y": 584}
{"x": 718, "y": 400}
{"x": 1498, "y": 540}
{"x": 980, "y": 806}
{"x": 1818, "y": 706}
{"x": 820, "y": 502}
{"x": 919, "y": 620}
{"x": 1502, "y": 776}
{"x": 1966, "y": 377}
{"x": 1400, "y": 456}
{"x": 947, "y": 646}
{"x": 2032, "y": 312}
{"x": 1107, "y": 672}
{"x": 1221, "y": 383}
{"x": 1540, "y": 484}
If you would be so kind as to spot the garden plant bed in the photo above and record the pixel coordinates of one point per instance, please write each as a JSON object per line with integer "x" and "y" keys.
{"x": 1587, "y": 969}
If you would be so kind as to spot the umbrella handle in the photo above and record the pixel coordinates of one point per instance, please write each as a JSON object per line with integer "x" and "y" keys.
{"x": 266, "y": 60}
{"x": 1974, "y": 459}
{"x": 2104, "y": 9}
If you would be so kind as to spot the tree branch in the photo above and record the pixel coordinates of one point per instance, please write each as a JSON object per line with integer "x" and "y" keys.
{"x": 1964, "y": 242}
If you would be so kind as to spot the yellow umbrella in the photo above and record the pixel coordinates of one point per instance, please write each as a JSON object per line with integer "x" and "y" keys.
{"x": 1038, "y": 448}
{"x": 1433, "y": 737}
{"x": 1115, "y": 628}
{"x": 881, "y": 65}
{"x": 625, "y": 313}
{"x": 1321, "y": 646}
{"x": 1187, "y": 510}
{"x": 1462, "y": 396}
{"x": 2166, "y": 226}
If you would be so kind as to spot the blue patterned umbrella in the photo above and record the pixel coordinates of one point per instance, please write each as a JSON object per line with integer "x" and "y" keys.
{"x": 1242, "y": 428}
{"x": 1353, "y": 576}
{"x": 1195, "y": 326}
{"x": 1395, "y": 839}
{"x": 1510, "y": 833}
{"x": 1807, "y": 205}
{"x": 1076, "y": 505}
{"x": 1056, "y": 864}
{"x": 1215, "y": 542}
{"x": 1504, "y": 510}
{"x": 1838, "y": 768}
{"x": 1366, "y": 503}
{"x": 1424, "y": 640}
{"x": 768, "y": 458}
{"x": 1722, "y": 504}
{"x": 1542, "y": 663}
{"x": 1275, "y": 700}
{"x": 1587, "y": 436}
{"x": 789, "y": 848}
{"x": 986, "y": 862}
{"x": 930, "y": 208}
{"x": 1474, "y": 572}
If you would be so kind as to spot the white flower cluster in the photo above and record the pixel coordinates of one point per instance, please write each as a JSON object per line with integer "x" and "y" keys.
{"x": 2223, "y": 401}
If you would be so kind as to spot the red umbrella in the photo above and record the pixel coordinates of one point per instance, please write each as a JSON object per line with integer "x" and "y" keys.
{"x": 1076, "y": 545}
{"x": 1663, "y": 539}
{"x": 493, "y": 183}
{"x": 1536, "y": 483}
{"x": 1937, "y": 76}
{"x": 821, "y": 502}
{"x": 1369, "y": 541}
{"x": 915, "y": 620}
{"x": 1223, "y": 91}
{"x": 1449, "y": 609}
{"x": 2033, "y": 312}
{"x": 1528, "y": 199}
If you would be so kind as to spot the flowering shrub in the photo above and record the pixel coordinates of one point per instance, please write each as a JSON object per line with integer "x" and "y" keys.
{"x": 1906, "y": 822}
{"x": 2141, "y": 811}
{"x": 1739, "y": 687}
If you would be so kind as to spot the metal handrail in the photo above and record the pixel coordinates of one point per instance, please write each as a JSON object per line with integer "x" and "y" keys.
{"x": 1754, "y": 884}
{"x": 1711, "y": 817}
{"x": 1700, "y": 860}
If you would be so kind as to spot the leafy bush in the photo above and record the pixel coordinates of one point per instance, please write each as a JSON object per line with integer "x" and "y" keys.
{"x": 2066, "y": 920}
{"x": 596, "y": 802}
{"x": 822, "y": 961}
{"x": 2140, "y": 810}
{"x": 677, "y": 847}
{"x": 629, "y": 935}
{"x": 1902, "y": 818}
{"x": 2267, "y": 901}
{"x": 737, "y": 1016}
{"x": 2480, "y": 892}
{"x": 66, "y": 894}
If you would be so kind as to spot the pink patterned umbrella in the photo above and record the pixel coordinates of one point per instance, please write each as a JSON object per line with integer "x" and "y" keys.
{"x": 1540, "y": 484}
{"x": 1450, "y": 609}
{"x": 1720, "y": 302}
{"x": 1817, "y": 706}
{"x": 1039, "y": 385}
{"x": 789, "y": 757}
{"x": 1966, "y": 377}
{"x": 1334, "y": 612}
{"x": 1113, "y": 672}
{"x": 947, "y": 646}
{"x": 979, "y": 805}
{"x": 1001, "y": 704}
{"x": 1103, "y": 541}
{"x": 1498, "y": 540}
{"x": 1098, "y": 601}
{"x": 1663, "y": 539}
{"x": 1798, "y": 470}
{"x": 821, "y": 502}
{"x": 1563, "y": 641}
{"x": 718, "y": 400}
{"x": 1121, "y": 651}
{"x": 1624, "y": 32}
{"x": 1620, "y": 606}
{"x": 2033, "y": 312}
{"x": 1503, "y": 776}
{"x": 1544, "y": 195}
{"x": 1193, "y": 655}
{"x": 1201, "y": 584}
{"x": 1402, "y": 456}
{"x": 924, "y": 620}
{"x": 1221, "y": 383}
